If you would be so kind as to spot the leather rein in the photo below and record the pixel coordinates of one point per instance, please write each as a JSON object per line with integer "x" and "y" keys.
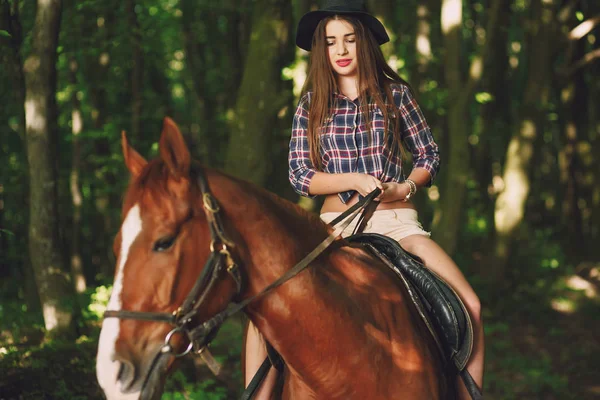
{"x": 220, "y": 259}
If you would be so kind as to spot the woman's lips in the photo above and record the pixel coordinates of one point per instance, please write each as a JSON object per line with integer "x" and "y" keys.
{"x": 344, "y": 62}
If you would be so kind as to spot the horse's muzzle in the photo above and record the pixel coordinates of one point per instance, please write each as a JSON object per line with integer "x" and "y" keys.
{"x": 141, "y": 379}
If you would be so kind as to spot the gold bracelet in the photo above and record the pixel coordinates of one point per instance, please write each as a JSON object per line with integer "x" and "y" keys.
{"x": 413, "y": 189}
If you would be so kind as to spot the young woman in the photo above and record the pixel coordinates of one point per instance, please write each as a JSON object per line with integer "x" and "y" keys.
{"x": 347, "y": 140}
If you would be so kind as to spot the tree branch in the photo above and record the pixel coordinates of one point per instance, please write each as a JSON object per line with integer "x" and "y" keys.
{"x": 585, "y": 60}
{"x": 583, "y": 28}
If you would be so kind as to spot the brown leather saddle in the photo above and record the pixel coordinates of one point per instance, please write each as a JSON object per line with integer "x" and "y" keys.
{"x": 442, "y": 311}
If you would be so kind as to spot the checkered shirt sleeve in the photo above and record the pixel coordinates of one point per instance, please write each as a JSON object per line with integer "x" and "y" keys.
{"x": 416, "y": 133}
{"x": 301, "y": 169}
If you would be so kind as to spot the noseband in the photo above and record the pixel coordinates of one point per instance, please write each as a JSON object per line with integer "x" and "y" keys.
{"x": 221, "y": 258}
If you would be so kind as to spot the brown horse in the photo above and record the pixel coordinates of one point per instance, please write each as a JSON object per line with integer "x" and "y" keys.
{"x": 344, "y": 327}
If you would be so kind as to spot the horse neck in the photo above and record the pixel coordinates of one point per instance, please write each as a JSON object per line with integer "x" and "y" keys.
{"x": 272, "y": 234}
{"x": 341, "y": 291}
{"x": 275, "y": 234}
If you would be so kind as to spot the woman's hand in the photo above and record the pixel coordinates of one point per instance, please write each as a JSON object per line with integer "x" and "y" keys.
{"x": 365, "y": 184}
{"x": 393, "y": 191}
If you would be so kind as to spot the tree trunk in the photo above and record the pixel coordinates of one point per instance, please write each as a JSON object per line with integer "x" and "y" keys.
{"x": 448, "y": 217}
{"x": 197, "y": 69}
{"x": 494, "y": 127}
{"x": 4, "y": 232}
{"x": 137, "y": 72}
{"x": 11, "y": 60}
{"x": 385, "y": 10}
{"x": 261, "y": 95}
{"x": 10, "y": 57}
{"x": 54, "y": 284}
{"x": 301, "y": 7}
{"x": 510, "y": 205}
{"x": 594, "y": 166}
{"x": 214, "y": 69}
{"x": 76, "y": 196}
{"x": 422, "y": 44}
{"x": 576, "y": 159}
{"x": 96, "y": 72}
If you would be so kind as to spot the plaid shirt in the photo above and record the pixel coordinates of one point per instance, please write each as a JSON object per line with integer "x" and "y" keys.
{"x": 345, "y": 144}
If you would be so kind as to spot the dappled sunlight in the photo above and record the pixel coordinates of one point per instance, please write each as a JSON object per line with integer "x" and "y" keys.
{"x": 178, "y": 92}
{"x": 405, "y": 357}
{"x": 565, "y": 306}
{"x": 476, "y": 68}
{"x": 510, "y": 203}
{"x": 297, "y": 73}
{"x": 423, "y": 43}
{"x": 35, "y": 118}
{"x": 451, "y": 15}
{"x": 595, "y": 390}
{"x": 577, "y": 291}
{"x": 50, "y": 316}
{"x": 424, "y": 46}
{"x": 396, "y": 63}
{"x": 515, "y": 48}
{"x": 433, "y": 193}
{"x": 578, "y": 283}
{"x": 307, "y": 203}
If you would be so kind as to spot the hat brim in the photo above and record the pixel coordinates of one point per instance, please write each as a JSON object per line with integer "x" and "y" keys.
{"x": 309, "y": 21}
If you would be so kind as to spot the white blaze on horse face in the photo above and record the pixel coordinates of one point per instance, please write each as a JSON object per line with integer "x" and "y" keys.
{"x": 106, "y": 368}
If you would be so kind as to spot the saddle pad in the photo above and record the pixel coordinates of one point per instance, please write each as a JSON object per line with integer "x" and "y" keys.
{"x": 444, "y": 309}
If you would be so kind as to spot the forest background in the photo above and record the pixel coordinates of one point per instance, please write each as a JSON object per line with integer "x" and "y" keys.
{"x": 510, "y": 88}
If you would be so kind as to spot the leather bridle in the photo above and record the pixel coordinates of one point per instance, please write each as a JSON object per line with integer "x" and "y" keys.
{"x": 220, "y": 258}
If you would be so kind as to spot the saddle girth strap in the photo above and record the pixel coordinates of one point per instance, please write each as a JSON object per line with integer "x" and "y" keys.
{"x": 256, "y": 381}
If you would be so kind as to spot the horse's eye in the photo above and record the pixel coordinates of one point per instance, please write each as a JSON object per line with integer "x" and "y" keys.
{"x": 163, "y": 244}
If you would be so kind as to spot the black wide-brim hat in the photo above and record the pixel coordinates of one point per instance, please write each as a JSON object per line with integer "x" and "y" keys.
{"x": 356, "y": 8}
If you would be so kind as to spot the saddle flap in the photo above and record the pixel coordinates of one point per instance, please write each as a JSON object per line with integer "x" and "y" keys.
{"x": 443, "y": 306}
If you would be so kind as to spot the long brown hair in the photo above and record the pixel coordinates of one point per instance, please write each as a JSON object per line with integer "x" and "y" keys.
{"x": 374, "y": 74}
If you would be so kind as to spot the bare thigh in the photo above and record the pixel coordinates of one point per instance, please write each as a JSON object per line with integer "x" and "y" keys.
{"x": 436, "y": 259}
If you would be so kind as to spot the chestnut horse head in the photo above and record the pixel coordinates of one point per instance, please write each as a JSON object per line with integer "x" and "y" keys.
{"x": 193, "y": 240}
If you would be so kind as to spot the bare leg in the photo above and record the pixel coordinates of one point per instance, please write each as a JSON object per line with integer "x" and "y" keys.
{"x": 436, "y": 259}
{"x": 256, "y": 353}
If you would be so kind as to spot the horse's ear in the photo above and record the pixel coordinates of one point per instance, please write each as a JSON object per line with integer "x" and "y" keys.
{"x": 173, "y": 149}
{"x": 134, "y": 161}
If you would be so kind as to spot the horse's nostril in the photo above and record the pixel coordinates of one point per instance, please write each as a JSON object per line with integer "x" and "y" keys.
{"x": 126, "y": 374}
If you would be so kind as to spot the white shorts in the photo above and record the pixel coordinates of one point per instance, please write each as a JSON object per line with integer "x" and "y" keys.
{"x": 397, "y": 224}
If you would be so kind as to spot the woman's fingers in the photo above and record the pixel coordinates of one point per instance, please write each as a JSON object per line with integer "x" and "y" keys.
{"x": 367, "y": 183}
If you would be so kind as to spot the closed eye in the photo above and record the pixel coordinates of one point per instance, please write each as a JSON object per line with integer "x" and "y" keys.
{"x": 163, "y": 244}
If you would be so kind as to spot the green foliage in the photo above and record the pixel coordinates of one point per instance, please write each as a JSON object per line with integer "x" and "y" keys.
{"x": 193, "y": 383}
{"x": 18, "y": 324}
{"x": 4, "y": 34}
{"x": 66, "y": 370}
{"x": 484, "y": 97}
{"x": 514, "y": 374}
{"x": 98, "y": 300}
{"x": 204, "y": 390}
{"x": 57, "y": 370}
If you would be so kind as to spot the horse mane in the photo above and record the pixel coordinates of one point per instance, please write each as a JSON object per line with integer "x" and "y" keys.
{"x": 152, "y": 180}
